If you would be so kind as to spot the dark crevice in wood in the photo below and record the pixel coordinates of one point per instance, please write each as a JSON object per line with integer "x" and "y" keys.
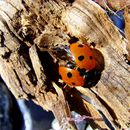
{"x": 12, "y": 33}
{"x": 2, "y": 39}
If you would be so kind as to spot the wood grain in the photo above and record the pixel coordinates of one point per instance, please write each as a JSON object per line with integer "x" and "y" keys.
{"x": 40, "y": 25}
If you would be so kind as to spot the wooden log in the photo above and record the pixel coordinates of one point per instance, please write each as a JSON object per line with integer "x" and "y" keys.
{"x": 35, "y": 26}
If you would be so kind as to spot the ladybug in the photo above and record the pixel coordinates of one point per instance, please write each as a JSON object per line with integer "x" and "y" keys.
{"x": 71, "y": 77}
{"x": 83, "y": 56}
{"x": 84, "y": 61}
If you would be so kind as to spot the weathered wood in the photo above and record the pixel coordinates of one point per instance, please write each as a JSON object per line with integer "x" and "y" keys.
{"x": 18, "y": 73}
{"x": 114, "y": 83}
{"x": 47, "y": 24}
{"x": 127, "y": 28}
{"x": 113, "y": 4}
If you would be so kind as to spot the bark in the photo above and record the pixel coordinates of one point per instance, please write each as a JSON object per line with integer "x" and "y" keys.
{"x": 29, "y": 28}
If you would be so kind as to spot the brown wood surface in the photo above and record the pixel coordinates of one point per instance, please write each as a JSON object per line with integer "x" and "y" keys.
{"x": 29, "y": 27}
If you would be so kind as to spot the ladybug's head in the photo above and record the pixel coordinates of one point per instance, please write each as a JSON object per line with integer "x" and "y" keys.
{"x": 70, "y": 64}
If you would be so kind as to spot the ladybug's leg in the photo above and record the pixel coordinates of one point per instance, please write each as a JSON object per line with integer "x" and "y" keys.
{"x": 65, "y": 86}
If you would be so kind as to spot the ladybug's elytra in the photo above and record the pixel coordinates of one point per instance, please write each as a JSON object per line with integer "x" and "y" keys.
{"x": 71, "y": 77}
{"x": 83, "y": 58}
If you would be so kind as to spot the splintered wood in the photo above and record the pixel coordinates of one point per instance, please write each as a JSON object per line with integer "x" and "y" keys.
{"x": 113, "y": 4}
{"x": 33, "y": 30}
{"x": 127, "y": 27}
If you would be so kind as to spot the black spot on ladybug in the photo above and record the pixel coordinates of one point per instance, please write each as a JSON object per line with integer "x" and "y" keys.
{"x": 80, "y": 58}
{"x": 80, "y": 45}
{"x": 81, "y": 70}
{"x": 73, "y": 83}
{"x": 91, "y": 57}
{"x": 69, "y": 74}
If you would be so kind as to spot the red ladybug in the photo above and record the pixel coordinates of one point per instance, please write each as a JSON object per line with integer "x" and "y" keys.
{"x": 83, "y": 56}
{"x": 71, "y": 77}
{"x": 84, "y": 61}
